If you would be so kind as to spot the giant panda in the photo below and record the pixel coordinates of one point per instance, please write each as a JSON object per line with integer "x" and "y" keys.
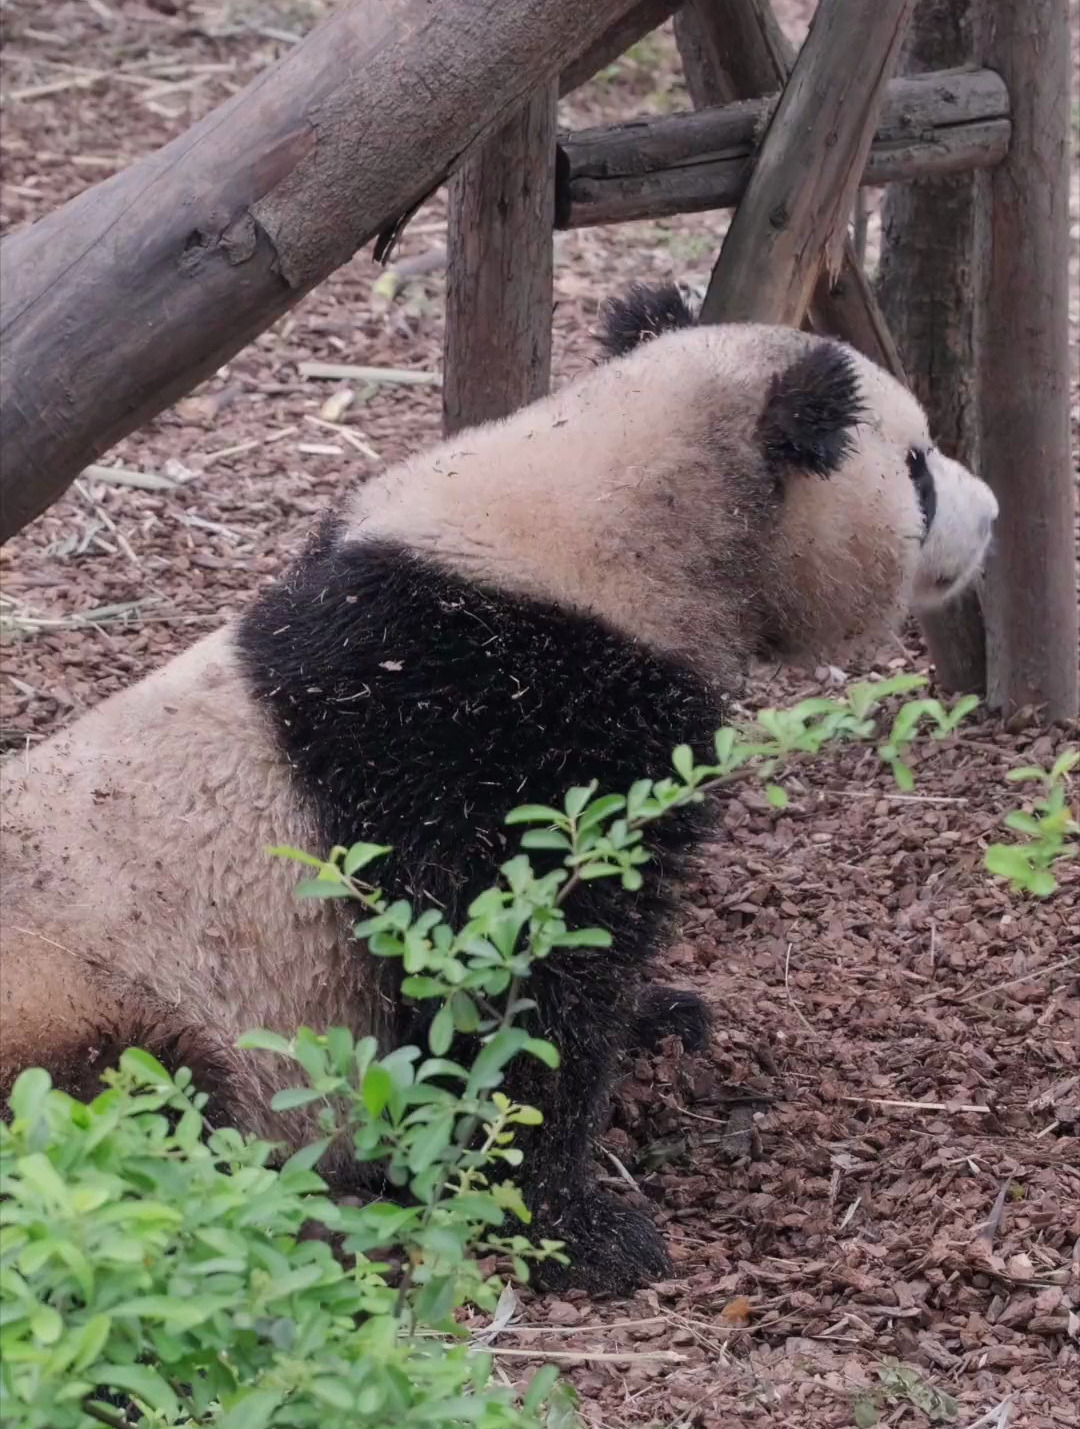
{"x": 558, "y": 597}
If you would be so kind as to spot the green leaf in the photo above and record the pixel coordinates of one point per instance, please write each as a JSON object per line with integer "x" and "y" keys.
{"x": 89, "y": 1342}
{"x": 961, "y": 709}
{"x": 562, "y": 1407}
{"x": 166, "y": 1310}
{"x": 583, "y": 938}
{"x": 41, "y": 1176}
{"x": 146, "y": 1384}
{"x": 1008, "y": 861}
{"x": 543, "y": 1051}
{"x": 146, "y": 1068}
{"x": 683, "y": 760}
{"x": 377, "y": 1089}
{"x": 864, "y": 1413}
{"x": 1025, "y": 775}
{"x": 776, "y": 796}
{"x": 305, "y": 1158}
{"x": 46, "y": 1324}
{"x": 577, "y": 798}
{"x": 322, "y": 888}
{"x": 601, "y": 810}
{"x": 486, "y": 1070}
{"x": 545, "y": 839}
{"x": 1064, "y": 764}
{"x": 1023, "y": 823}
{"x": 360, "y": 855}
{"x": 1041, "y": 882}
{"x": 441, "y": 1032}
{"x": 724, "y": 743}
{"x": 296, "y": 855}
{"x": 536, "y": 814}
{"x": 420, "y": 988}
{"x": 293, "y": 1097}
{"x": 465, "y": 1013}
{"x": 333, "y": 1392}
{"x": 262, "y": 1041}
{"x": 428, "y": 1144}
{"x": 29, "y": 1092}
{"x": 253, "y": 1410}
{"x": 539, "y": 1387}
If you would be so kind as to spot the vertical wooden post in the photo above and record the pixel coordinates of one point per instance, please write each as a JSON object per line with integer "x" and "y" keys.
{"x": 499, "y": 292}
{"x": 1023, "y": 350}
{"x": 925, "y": 286}
{"x": 735, "y": 49}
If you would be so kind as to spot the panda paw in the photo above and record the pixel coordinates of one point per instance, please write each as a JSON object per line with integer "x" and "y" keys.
{"x": 614, "y": 1248}
{"x": 667, "y": 1012}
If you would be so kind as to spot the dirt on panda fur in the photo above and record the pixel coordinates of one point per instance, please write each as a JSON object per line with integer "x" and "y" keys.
{"x": 871, "y": 1182}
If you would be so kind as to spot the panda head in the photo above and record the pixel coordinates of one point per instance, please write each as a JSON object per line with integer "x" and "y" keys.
{"x": 716, "y": 492}
{"x": 895, "y": 511}
{"x": 874, "y": 520}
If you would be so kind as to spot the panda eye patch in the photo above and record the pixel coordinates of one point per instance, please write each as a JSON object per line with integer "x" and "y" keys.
{"x": 923, "y": 481}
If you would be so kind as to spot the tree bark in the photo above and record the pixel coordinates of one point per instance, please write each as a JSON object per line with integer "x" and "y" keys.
{"x": 1022, "y": 340}
{"x": 499, "y": 294}
{"x": 731, "y": 49}
{"x": 735, "y": 49}
{"x": 793, "y": 217}
{"x": 925, "y": 286}
{"x": 936, "y": 123}
{"x": 126, "y": 297}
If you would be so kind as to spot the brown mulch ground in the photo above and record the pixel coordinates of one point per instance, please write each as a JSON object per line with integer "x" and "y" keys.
{"x": 830, "y": 1242}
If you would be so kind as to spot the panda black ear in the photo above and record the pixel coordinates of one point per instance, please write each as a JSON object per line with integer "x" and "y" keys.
{"x": 810, "y": 412}
{"x": 643, "y": 314}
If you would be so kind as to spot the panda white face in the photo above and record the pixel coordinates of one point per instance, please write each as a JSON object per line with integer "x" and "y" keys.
{"x": 958, "y": 513}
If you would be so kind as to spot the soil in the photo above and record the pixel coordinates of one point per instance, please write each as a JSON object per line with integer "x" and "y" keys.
{"x": 871, "y": 1183}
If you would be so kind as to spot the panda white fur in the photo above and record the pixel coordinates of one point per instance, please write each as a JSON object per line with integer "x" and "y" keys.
{"x": 562, "y": 596}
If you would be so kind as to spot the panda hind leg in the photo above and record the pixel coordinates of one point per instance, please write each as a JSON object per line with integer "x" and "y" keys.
{"x": 62, "y": 1013}
{"x": 664, "y": 1011}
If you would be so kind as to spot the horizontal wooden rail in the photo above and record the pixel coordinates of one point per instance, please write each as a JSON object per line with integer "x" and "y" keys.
{"x": 944, "y": 122}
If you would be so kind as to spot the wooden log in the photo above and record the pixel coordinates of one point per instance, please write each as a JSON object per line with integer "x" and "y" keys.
{"x": 499, "y": 294}
{"x": 123, "y": 299}
{"x": 793, "y": 216}
{"x": 731, "y": 49}
{"x": 1023, "y": 351}
{"x": 740, "y": 52}
{"x": 645, "y": 16}
{"x": 931, "y": 124}
{"x": 925, "y": 285}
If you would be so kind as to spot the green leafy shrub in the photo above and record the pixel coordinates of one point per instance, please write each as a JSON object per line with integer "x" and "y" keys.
{"x": 1048, "y": 833}
{"x": 149, "y": 1256}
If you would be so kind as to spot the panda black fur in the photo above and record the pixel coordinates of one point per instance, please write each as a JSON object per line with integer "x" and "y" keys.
{"x": 642, "y": 314}
{"x": 560, "y": 597}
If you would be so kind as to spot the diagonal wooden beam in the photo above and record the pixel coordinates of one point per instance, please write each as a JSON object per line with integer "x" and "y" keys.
{"x": 735, "y": 49}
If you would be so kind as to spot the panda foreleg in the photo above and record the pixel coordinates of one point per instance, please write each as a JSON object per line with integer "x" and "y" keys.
{"x": 664, "y": 1011}
{"x": 586, "y": 1007}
